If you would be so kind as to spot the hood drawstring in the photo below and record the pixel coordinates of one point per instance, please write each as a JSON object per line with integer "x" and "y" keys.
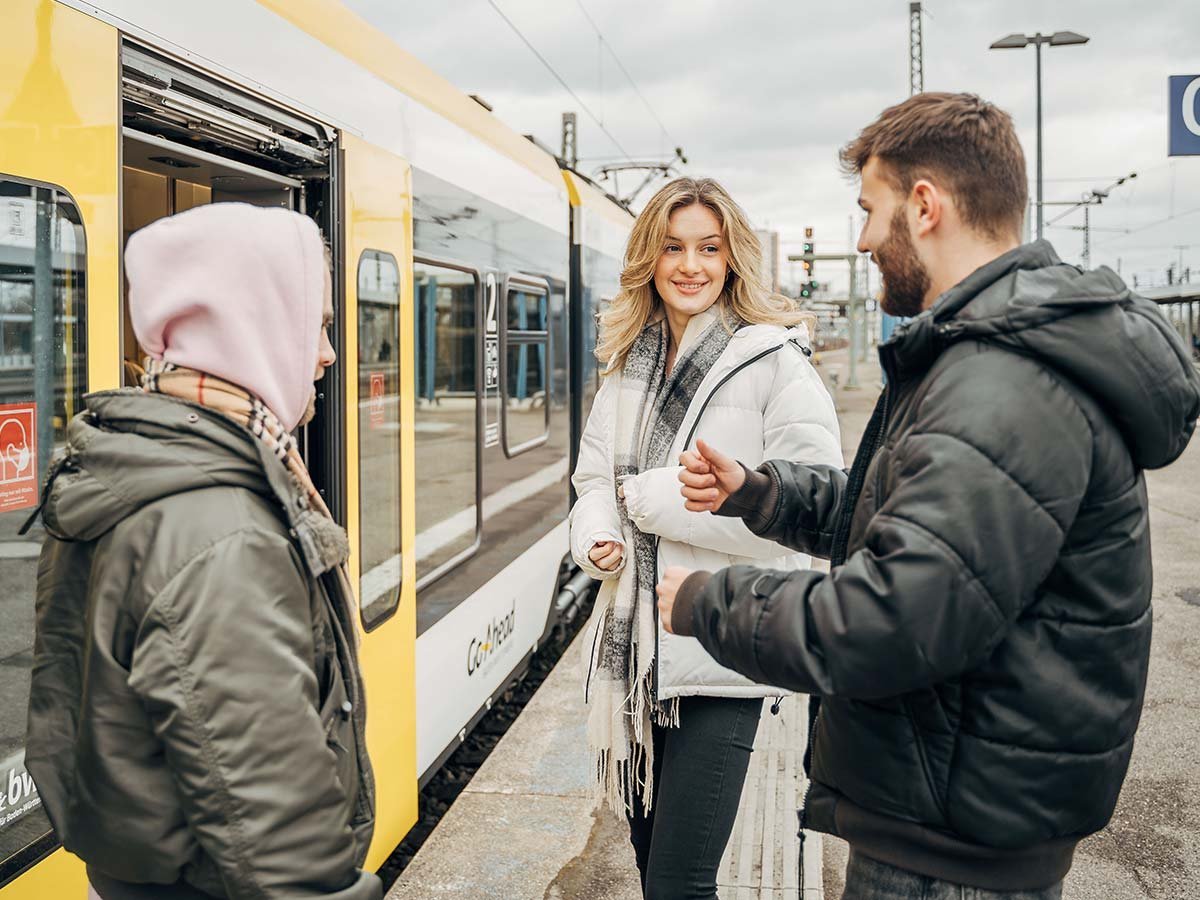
{"x": 61, "y": 463}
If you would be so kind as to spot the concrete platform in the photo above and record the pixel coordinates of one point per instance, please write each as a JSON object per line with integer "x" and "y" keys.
{"x": 525, "y": 828}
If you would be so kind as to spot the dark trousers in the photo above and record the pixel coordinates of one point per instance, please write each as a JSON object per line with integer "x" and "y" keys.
{"x": 699, "y": 770}
{"x": 869, "y": 879}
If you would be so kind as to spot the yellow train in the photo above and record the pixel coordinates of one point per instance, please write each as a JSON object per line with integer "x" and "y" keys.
{"x": 469, "y": 267}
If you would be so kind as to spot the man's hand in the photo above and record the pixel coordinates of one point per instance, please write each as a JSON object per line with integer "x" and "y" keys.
{"x": 606, "y": 555}
{"x": 667, "y": 589}
{"x": 708, "y": 477}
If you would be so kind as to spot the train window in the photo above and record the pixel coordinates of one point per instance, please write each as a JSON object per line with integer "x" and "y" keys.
{"x": 447, "y": 417}
{"x": 378, "y": 435}
{"x": 43, "y": 371}
{"x": 525, "y": 340}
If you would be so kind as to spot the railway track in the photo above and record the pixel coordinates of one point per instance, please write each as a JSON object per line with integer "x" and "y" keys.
{"x": 440, "y": 793}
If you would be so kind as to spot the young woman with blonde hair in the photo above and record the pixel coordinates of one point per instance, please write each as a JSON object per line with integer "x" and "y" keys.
{"x": 694, "y": 346}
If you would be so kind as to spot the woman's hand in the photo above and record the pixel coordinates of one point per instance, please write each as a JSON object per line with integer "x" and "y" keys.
{"x": 708, "y": 477}
{"x": 666, "y": 589}
{"x": 606, "y": 555}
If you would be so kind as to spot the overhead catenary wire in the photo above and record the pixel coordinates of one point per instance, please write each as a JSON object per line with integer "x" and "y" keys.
{"x": 534, "y": 50}
{"x": 1143, "y": 227}
{"x": 624, "y": 71}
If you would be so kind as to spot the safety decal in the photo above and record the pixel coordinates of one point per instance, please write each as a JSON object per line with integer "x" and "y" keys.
{"x": 376, "y": 401}
{"x": 18, "y": 456}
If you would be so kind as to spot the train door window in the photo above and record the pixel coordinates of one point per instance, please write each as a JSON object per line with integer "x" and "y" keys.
{"x": 43, "y": 369}
{"x": 379, "y": 435}
{"x": 525, "y": 349}
{"x": 447, "y": 417}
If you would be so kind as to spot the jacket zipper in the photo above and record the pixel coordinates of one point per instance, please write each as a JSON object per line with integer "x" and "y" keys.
{"x": 587, "y": 685}
{"x": 720, "y": 384}
{"x": 687, "y": 442}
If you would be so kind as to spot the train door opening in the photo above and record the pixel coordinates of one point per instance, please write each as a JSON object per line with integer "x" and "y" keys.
{"x": 190, "y": 139}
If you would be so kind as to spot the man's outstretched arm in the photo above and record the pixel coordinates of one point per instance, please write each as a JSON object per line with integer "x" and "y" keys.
{"x": 790, "y": 503}
{"x": 793, "y": 504}
{"x": 958, "y": 550}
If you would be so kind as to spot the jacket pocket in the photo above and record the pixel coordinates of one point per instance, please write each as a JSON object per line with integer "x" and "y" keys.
{"x": 923, "y": 751}
{"x": 337, "y": 721}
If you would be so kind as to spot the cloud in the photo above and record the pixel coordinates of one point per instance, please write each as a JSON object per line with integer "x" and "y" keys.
{"x": 761, "y": 94}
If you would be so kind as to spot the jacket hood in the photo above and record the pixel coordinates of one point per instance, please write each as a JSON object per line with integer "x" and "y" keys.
{"x": 130, "y": 449}
{"x": 752, "y": 339}
{"x": 1087, "y": 326}
{"x": 236, "y": 291}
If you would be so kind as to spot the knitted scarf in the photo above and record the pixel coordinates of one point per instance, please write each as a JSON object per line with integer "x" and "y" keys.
{"x": 321, "y": 538}
{"x": 650, "y": 408}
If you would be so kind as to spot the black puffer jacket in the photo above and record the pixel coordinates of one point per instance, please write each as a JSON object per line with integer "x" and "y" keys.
{"x": 983, "y": 651}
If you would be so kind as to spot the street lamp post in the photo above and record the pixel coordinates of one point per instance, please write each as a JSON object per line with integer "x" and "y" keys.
{"x": 1016, "y": 42}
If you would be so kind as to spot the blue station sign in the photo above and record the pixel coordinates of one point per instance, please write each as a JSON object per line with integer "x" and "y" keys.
{"x": 1184, "y": 115}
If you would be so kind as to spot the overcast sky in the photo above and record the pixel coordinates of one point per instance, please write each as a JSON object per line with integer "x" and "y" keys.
{"x": 761, "y": 94}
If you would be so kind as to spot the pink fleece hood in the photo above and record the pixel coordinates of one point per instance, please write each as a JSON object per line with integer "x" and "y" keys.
{"x": 236, "y": 291}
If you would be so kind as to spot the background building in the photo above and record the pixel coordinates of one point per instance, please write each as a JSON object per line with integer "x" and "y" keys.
{"x": 770, "y": 248}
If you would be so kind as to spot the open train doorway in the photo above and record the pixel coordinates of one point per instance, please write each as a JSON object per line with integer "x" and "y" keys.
{"x": 189, "y": 139}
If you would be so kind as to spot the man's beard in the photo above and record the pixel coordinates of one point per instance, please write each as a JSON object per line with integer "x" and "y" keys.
{"x": 905, "y": 278}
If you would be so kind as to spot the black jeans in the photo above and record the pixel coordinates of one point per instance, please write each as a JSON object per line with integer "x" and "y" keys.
{"x": 699, "y": 770}
{"x": 869, "y": 879}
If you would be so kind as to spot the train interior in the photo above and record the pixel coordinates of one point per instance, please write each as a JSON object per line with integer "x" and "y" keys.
{"x": 188, "y": 140}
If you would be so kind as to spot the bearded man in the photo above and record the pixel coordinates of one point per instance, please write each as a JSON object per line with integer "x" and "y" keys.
{"x": 981, "y": 642}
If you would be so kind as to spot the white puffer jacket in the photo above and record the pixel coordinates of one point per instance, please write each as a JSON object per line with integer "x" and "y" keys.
{"x": 762, "y": 400}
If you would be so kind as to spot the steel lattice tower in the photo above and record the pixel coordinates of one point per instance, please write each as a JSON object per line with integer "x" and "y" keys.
{"x": 916, "y": 51}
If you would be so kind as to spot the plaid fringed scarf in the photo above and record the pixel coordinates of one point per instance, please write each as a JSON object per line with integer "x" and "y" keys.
{"x": 322, "y": 539}
{"x": 650, "y": 408}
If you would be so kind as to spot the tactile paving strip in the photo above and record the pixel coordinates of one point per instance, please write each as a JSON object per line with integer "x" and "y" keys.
{"x": 761, "y": 861}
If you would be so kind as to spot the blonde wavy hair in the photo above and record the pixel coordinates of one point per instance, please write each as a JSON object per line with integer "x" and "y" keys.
{"x": 745, "y": 298}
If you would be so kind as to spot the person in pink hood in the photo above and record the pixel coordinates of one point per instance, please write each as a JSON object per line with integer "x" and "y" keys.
{"x": 197, "y": 717}
{"x": 239, "y": 292}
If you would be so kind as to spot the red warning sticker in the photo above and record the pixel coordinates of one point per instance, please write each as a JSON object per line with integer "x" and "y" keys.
{"x": 18, "y": 456}
{"x": 376, "y": 403}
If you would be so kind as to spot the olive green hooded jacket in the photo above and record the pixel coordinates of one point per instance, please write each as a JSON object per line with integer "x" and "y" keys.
{"x": 196, "y": 714}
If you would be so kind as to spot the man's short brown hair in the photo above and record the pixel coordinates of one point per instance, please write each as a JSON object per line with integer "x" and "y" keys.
{"x": 958, "y": 140}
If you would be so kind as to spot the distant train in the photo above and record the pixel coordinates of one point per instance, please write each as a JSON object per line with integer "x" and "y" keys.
{"x": 469, "y": 269}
